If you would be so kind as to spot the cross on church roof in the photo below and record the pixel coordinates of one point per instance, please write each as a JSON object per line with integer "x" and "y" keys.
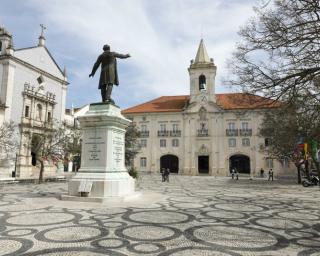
{"x": 42, "y": 30}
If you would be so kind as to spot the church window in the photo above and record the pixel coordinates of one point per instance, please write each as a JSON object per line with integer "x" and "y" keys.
{"x": 40, "y": 79}
{"x": 49, "y": 116}
{"x": 163, "y": 143}
{"x": 143, "y": 162}
{"x": 175, "y": 143}
{"x": 202, "y": 82}
{"x": 39, "y": 112}
{"x": 26, "y": 111}
{"x": 246, "y": 142}
{"x": 143, "y": 143}
{"x": 232, "y": 142}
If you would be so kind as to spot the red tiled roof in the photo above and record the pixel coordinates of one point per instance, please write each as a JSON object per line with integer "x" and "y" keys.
{"x": 162, "y": 104}
{"x": 226, "y": 101}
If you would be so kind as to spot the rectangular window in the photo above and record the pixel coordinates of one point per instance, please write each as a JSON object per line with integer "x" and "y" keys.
{"x": 175, "y": 127}
{"x": 246, "y": 142}
{"x": 232, "y": 142}
{"x": 143, "y": 128}
{"x": 163, "y": 143}
{"x": 49, "y": 116}
{"x": 285, "y": 162}
{"x": 175, "y": 143}
{"x": 163, "y": 127}
{"x": 267, "y": 142}
{"x": 231, "y": 126}
{"x": 143, "y": 162}
{"x": 244, "y": 125}
{"x": 26, "y": 111}
{"x": 143, "y": 143}
{"x": 269, "y": 162}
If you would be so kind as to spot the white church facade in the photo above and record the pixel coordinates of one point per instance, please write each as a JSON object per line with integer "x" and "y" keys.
{"x": 204, "y": 132}
{"x": 32, "y": 94}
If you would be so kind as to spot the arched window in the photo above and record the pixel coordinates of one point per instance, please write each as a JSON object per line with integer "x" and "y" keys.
{"x": 202, "y": 82}
{"x": 39, "y": 112}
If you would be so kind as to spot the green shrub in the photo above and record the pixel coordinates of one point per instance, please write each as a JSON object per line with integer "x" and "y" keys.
{"x": 133, "y": 172}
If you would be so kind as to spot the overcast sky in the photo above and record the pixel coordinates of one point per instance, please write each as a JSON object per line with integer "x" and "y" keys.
{"x": 162, "y": 37}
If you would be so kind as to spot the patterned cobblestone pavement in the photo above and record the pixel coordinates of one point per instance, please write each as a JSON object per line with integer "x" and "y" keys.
{"x": 188, "y": 216}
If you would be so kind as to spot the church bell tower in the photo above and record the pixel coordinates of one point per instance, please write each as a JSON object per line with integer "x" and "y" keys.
{"x": 5, "y": 41}
{"x": 202, "y": 72}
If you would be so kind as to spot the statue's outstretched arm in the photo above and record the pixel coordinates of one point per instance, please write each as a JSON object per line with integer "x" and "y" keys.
{"x": 121, "y": 56}
{"x": 96, "y": 66}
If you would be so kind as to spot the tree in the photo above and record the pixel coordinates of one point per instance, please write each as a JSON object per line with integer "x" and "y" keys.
{"x": 279, "y": 51}
{"x": 54, "y": 145}
{"x": 132, "y": 146}
{"x": 288, "y": 126}
{"x": 8, "y": 139}
{"x": 73, "y": 147}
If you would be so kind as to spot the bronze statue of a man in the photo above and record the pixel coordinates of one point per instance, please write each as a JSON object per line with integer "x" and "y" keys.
{"x": 109, "y": 74}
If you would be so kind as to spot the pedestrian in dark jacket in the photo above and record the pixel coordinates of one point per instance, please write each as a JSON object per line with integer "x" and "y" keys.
{"x": 270, "y": 175}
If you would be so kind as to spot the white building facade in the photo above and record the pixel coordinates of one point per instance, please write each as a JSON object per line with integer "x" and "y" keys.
{"x": 204, "y": 132}
{"x": 32, "y": 94}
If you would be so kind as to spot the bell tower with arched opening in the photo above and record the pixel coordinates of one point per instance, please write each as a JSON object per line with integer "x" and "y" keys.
{"x": 202, "y": 72}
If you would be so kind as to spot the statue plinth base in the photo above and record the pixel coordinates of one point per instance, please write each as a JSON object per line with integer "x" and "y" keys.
{"x": 102, "y": 175}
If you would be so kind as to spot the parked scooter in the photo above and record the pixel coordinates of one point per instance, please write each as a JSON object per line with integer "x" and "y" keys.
{"x": 313, "y": 181}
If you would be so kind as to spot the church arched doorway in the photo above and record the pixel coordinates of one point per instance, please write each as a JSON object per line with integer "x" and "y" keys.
{"x": 171, "y": 162}
{"x": 240, "y": 162}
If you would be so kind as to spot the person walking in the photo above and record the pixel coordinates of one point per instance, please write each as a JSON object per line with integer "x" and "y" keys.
{"x": 232, "y": 173}
{"x": 270, "y": 175}
{"x": 163, "y": 175}
{"x": 237, "y": 174}
{"x": 261, "y": 172}
{"x": 167, "y": 172}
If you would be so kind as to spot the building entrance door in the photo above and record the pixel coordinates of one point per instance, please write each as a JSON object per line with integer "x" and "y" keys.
{"x": 170, "y": 162}
{"x": 240, "y": 162}
{"x": 203, "y": 164}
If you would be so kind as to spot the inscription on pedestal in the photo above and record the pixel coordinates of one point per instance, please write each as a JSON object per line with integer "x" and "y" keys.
{"x": 93, "y": 144}
{"x": 118, "y": 149}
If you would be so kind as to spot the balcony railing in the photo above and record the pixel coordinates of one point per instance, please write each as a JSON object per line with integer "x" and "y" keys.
{"x": 175, "y": 133}
{"x": 245, "y": 132}
{"x": 163, "y": 133}
{"x": 203, "y": 133}
{"x": 232, "y": 132}
{"x": 144, "y": 134}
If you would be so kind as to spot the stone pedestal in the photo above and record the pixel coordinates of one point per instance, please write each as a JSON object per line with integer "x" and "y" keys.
{"x": 102, "y": 155}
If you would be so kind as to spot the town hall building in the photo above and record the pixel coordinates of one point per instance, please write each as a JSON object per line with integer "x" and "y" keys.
{"x": 204, "y": 132}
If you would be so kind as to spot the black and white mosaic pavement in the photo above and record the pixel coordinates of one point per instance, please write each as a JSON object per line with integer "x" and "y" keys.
{"x": 188, "y": 216}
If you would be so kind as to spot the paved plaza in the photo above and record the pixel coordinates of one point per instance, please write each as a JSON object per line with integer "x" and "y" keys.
{"x": 198, "y": 215}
